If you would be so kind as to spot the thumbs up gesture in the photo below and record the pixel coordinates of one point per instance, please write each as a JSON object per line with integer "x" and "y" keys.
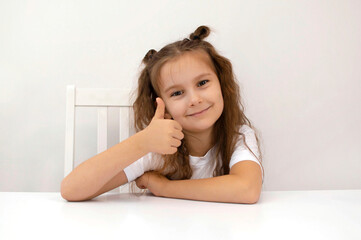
{"x": 163, "y": 135}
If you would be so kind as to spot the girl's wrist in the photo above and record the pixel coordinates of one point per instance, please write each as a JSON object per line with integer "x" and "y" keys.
{"x": 165, "y": 187}
{"x": 143, "y": 142}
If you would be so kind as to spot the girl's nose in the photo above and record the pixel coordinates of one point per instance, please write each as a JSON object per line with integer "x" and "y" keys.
{"x": 195, "y": 98}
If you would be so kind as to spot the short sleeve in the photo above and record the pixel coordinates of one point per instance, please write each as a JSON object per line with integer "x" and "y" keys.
{"x": 136, "y": 169}
{"x": 139, "y": 167}
{"x": 241, "y": 152}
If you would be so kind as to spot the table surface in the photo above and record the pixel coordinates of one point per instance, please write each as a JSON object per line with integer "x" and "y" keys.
{"x": 326, "y": 214}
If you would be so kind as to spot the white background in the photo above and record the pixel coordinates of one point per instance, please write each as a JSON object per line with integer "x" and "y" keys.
{"x": 298, "y": 64}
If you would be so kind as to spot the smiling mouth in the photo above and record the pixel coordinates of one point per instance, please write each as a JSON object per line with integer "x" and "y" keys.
{"x": 200, "y": 111}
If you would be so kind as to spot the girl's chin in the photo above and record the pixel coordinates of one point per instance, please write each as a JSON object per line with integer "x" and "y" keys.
{"x": 195, "y": 129}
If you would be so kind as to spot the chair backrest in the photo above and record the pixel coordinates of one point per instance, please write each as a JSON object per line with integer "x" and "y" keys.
{"x": 101, "y": 98}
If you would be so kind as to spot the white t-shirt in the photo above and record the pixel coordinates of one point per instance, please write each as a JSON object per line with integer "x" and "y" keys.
{"x": 202, "y": 167}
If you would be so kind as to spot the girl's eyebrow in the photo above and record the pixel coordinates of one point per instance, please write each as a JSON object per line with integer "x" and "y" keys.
{"x": 194, "y": 79}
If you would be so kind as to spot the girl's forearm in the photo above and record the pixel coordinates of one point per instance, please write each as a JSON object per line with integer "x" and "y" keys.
{"x": 92, "y": 174}
{"x": 226, "y": 188}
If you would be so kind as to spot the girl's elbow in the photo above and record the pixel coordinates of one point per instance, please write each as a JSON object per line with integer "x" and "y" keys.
{"x": 69, "y": 198}
{"x": 66, "y": 192}
{"x": 250, "y": 196}
{"x": 254, "y": 197}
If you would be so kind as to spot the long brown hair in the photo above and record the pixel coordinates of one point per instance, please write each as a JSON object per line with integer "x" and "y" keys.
{"x": 226, "y": 129}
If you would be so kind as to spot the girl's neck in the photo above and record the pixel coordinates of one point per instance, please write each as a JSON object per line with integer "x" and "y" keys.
{"x": 198, "y": 144}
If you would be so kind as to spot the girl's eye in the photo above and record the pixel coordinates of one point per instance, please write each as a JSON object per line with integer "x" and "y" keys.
{"x": 204, "y": 81}
{"x": 174, "y": 94}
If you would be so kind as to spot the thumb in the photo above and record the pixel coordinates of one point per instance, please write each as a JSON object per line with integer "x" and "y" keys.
{"x": 159, "y": 112}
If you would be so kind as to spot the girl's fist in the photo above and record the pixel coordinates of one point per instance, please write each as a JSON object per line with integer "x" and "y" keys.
{"x": 163, "y": 134}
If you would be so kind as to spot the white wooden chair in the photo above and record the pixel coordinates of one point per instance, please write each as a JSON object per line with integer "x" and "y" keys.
{"x": 102, "y": 98}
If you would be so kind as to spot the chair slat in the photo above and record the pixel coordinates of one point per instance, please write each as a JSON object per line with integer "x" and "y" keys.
{"x": 69, "y": 130}
{"x": 102, "y": 143}
{"x": 123, "y": 123}
{"x": 131, "y": 128}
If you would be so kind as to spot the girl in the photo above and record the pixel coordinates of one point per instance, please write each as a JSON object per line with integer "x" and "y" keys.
{"x": 193, "y": 140}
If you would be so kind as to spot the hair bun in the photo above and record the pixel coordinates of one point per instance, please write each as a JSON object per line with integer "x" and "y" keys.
{"x": 149, "y": 56}
{"x": 200, "y": 33}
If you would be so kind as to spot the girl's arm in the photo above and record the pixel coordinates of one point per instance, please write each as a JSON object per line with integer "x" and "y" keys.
{"x": 104, "y": 171}
{"x": 242, "y": 185}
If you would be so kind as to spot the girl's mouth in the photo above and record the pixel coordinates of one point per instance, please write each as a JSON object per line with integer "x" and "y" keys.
{"x": 200, "y": 113}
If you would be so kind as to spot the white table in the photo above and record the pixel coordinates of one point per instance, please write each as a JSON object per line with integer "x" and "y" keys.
{"x": 282, "y": 214}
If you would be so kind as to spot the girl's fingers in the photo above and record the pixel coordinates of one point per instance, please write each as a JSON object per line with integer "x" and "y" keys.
{"x": 139, "y": 184}
{"x": 178, "y": 135}
{"x": 175, "y": 143}
{"x": 177, "y": 125}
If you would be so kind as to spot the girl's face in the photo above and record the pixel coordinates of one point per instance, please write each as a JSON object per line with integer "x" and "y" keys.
{"x": 189, "y": 85}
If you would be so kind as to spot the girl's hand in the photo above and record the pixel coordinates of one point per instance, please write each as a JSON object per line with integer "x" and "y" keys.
{"x": 153, "y": 181}
{"x": 163, "y": 135}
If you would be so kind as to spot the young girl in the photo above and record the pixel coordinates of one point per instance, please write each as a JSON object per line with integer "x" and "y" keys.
{"x": 193, "y": 139}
